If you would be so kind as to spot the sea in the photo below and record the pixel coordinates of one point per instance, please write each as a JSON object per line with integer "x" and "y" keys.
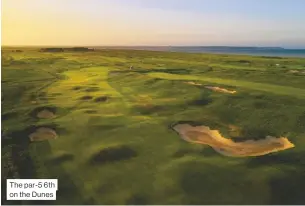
{"x": 254, "y": 51}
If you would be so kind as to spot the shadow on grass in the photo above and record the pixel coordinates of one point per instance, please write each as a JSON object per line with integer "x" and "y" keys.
{"x": 101, "y": 99}
{"x": 27, "y": 167}
{"x": 208, "y": 184}
{"x": 58, "y": 159}
{"x": 202, "y": 153}
{"x": 203, "y": 100}
{"x": 148, "y": 109}
{"x": 288, "y": 189}
{"x": 169, "y": 71}
{"x": 138, "y": 199}
{"x": 105, "y": 127}
{"x": 292, "y": 159}
{"x": 254, "y": 133}
{"x": 8, "y": 116}
{"x": 113, "y": 154}
{"x": 182, "y": 152}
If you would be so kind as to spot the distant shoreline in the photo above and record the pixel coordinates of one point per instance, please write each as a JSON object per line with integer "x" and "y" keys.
{"x": 225, "y": 50}
{"x": 252, "y": 51}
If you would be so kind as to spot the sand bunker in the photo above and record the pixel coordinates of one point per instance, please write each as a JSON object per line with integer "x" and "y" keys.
{"x": 297, "y": 71}
{"x": 218, "y": 89}
{"x": 227, "y": 147}
{"x": 193, "y": 83}
{"x": 43, "y": 133}
{"x": 45, "y": 114}
{"x": 293, "y": 71}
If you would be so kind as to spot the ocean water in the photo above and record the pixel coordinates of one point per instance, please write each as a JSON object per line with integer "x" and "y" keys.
{"x": 255, "y": 51}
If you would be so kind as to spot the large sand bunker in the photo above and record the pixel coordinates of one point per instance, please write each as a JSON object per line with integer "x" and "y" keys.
{"x": 227, "y": 147}
{"x": 43, "y": 133}
{"x": 218, "y": 89}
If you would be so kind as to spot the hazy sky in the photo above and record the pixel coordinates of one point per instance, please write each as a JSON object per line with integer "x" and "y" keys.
{"x": 154, "y": 22}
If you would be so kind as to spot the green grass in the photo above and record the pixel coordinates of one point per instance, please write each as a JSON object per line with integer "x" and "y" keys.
{"x": 115, "y": 145}
{"x": 276, "y": 89}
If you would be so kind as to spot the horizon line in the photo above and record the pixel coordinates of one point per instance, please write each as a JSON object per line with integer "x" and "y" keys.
{"x": 281, "y": 47}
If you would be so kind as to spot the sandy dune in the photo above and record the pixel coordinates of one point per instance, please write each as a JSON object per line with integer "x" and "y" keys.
{"x": 227, "y": 147}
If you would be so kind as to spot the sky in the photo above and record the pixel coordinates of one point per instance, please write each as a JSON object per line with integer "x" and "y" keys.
{"x": 153, "y": 23}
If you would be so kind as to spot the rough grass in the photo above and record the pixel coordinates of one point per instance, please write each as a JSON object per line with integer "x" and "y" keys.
{"x": 134, "y": 119}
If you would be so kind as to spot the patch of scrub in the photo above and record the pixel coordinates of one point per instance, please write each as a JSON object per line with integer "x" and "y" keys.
{"x": 42, "y": 134}
{"x": 202, "y": 100}
{"x": 219, "y": 89}
{"x": 113, "y": 154}
{"x": 87, "y": 97}
{"x": 234, "y": 131}
{"x": 101, "y": 99}
{"x": 182, "y": 152}
{"x": 148, "y": 109}
{"x": 77, "y": 88}
{"x": 91, "y": 111}
{"x": 138, "y": 199}
{"x": 92, "y": 89}
{"x": 60, "y": 158}
{"x": 113, "y": 115}
{"x": 105, "y": 127}
{"x": 9, "y": 115}
{"x": 227, "y": 147}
